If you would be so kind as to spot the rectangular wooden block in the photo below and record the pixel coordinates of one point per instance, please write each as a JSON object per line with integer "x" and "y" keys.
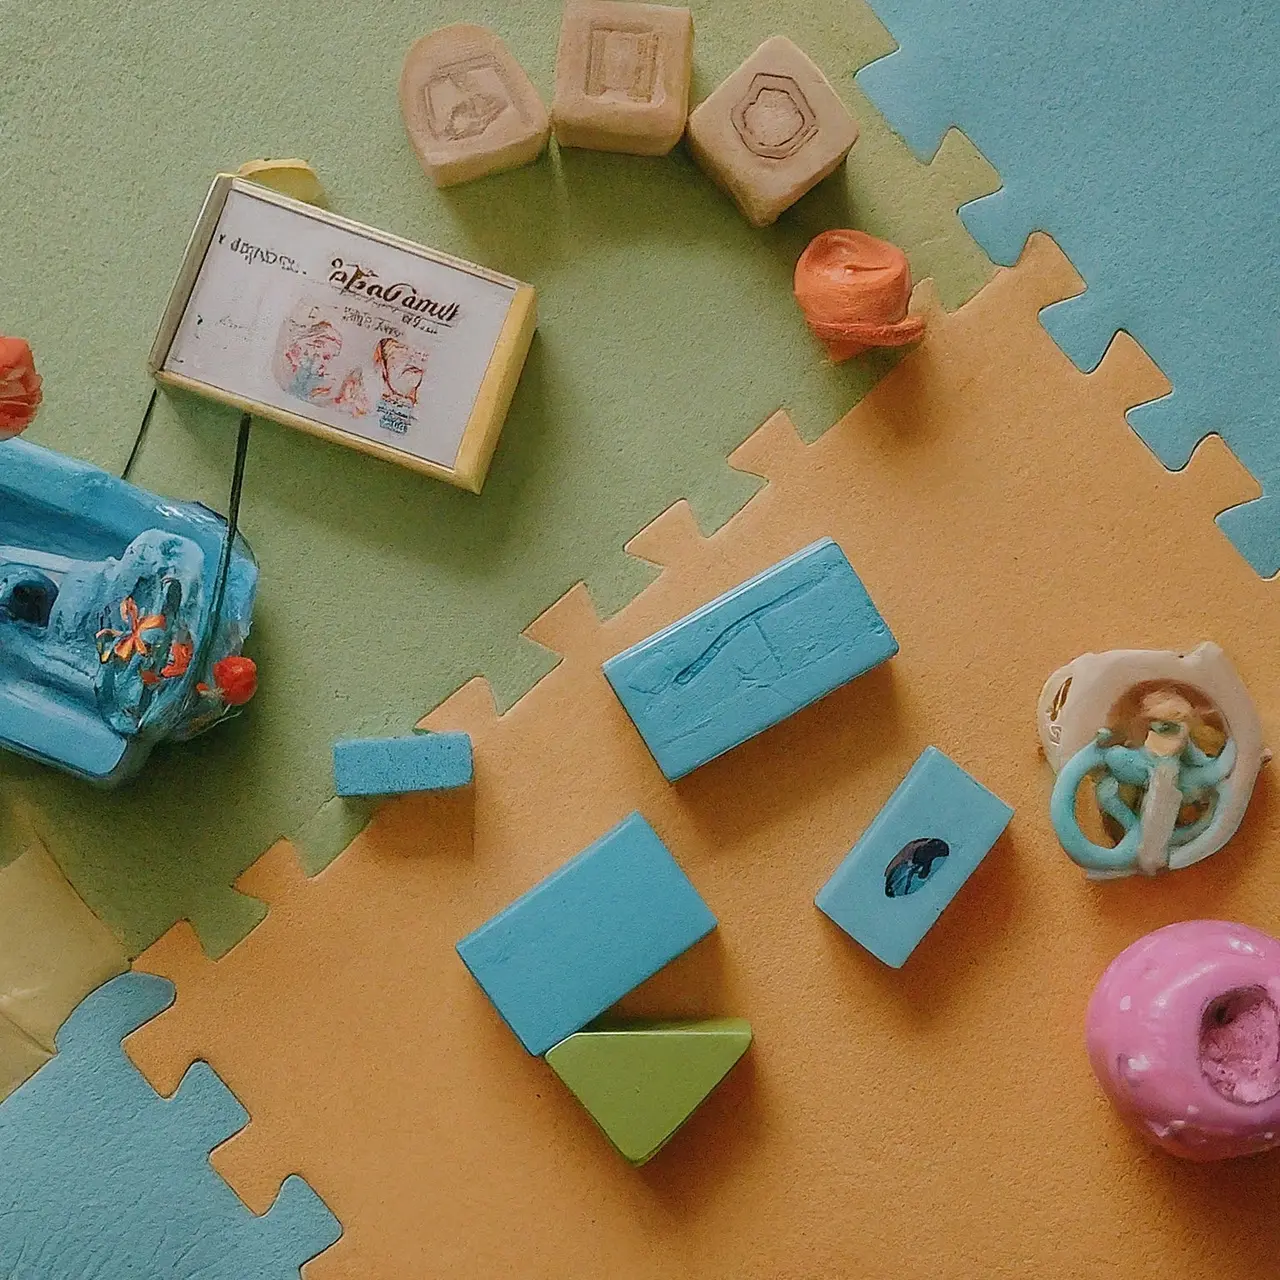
{"x": 751, "y": 658}
{"x": 575, "y": 944}
{"x": 772, "y": 131}
{"x": 912, "y": 860}
{"x": 622, "y": 76}
{"x": 393, "y": 766}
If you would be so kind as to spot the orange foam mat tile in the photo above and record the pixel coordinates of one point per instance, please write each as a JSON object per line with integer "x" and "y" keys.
{"x": 934, "y": 1123}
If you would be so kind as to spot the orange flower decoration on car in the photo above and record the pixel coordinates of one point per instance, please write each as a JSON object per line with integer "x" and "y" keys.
{"x": 20, "y": 393}
{"x": 235, "y": 681}
{"x": 131, "y": 641}
{"x": 179, "y": 660}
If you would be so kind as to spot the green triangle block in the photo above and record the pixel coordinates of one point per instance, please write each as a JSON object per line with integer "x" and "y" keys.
{"x": 641, "y": 1083}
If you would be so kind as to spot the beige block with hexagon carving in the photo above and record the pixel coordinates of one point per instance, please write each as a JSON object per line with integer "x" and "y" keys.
{"x": 772, "y": 131}
{"x": 468, "y": 106}
{"x": 622, "y": 76}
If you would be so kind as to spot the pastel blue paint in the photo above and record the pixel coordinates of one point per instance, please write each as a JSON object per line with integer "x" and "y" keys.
{"x": 1146, "y": 140}
{"x": 75, "y": 542}
{"x": 392, "y": 766}
{"x": 750, "y": 658}
{"x": 562, "y": 953}
{"x": 936, "y": 800}
{"x": 101, "y": 1177}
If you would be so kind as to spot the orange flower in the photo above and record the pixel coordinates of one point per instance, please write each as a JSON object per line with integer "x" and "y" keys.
{"x": 130, "y": 642}
{"x": 19, "y": 387}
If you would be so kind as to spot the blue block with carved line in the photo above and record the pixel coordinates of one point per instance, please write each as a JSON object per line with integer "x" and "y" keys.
{"x": 576, "y": 943}
{"x": 750, "y": 658}
{"x": 393, "y": 766}
{"x": 914, "y": 857}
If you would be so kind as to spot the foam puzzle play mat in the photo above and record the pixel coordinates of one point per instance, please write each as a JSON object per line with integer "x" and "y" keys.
{"x": 636, "y": 641}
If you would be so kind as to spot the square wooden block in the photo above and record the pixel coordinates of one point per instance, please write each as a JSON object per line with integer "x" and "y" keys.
{"x": 468, "y": 106}
{"x": 622, "y": 77}
{"x": 772, "y": 131}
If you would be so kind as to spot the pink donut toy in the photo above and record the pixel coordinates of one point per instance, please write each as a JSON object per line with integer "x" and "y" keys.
{"x": 1183, "y": 1032}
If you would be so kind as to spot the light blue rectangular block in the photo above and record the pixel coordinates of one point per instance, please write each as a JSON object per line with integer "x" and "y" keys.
{"x": 893, "y": 886}
{"x": 392, "y": 766}
{"x": 750, "y": 658}
{"x": 562, "y": 953}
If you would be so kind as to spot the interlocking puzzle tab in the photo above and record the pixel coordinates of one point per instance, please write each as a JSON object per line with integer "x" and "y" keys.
{"x": 772, "y": 131}
{"x": 750, "y": 658}
{"x": 562, "y": 953}
{"x": 393, "y": 766}
{"x": 914, "y": 857}
{"x": 622, "y": 76}
{"x": 102, "y": 1177}
{"x": 641, "y": 1083}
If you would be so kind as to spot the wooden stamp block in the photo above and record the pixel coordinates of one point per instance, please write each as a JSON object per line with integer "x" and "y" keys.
{"x": 772, "y": 131}
{"x": 622, "y": 76}
{"x": 914, "y": 857}
{"x": 468, "y": 106}
{"x": 750, "y": 658}
{"x": 576, "y": 943}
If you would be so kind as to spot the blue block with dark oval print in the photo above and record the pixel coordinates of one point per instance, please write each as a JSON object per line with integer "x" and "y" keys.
{"x": 750, "y": 658}
{"x": 936, "y": 804}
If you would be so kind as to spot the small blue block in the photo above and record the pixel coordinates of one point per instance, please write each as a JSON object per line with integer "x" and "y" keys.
{"x": 391, "y": 766}
{"x": 911, "y": 861}
{"x": 562, "y": 953}
{"x": 750, "y": 658}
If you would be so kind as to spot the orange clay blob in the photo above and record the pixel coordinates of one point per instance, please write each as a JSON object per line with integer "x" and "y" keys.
{"x": 854, "y": 290}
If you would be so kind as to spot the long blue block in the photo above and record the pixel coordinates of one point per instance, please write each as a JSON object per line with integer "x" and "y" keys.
{"x": 913, "y": 858}
{"x": 1145, "y": 138}
{"x": 392, "y": 766}
{"x": 100, "y": 1177}
{"x": 750, "y": 658}
{"x": 562, "y": 953}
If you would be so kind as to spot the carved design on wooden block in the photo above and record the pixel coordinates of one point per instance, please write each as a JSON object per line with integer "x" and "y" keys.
{"x": 464, "y": 98}
{"x": 774, "y": 118}
{"x": 623, "y": 64}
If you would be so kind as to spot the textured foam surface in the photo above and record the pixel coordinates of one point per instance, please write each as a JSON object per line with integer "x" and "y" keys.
{"x": 391, "y": 766}
{"x": 383, "y": 591}
{"x": 1145, "y": 139}
{"x": 586, "y": 935}
{"x": 750, "y": 658}
{"x": 102, "y": 1178}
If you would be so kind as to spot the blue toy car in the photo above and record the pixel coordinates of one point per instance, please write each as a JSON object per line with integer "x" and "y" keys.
{"x": 119, "y": 625}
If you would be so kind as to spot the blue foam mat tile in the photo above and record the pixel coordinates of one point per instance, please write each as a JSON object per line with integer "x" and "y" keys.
{"x": 101, "y": 1178}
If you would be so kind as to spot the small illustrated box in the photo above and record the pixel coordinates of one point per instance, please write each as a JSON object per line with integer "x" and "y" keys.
{"x": 290, "y": 312}
{"x": 914, "y": 857}
{"x": 576, "y": 943}
{"x": 751, "y": 658}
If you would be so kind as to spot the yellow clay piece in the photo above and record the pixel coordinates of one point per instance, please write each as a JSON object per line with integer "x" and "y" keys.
{"x": 295, "y": 178}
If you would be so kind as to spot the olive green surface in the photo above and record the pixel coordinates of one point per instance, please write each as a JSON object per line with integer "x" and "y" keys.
{"x": 668, "y": 334}
{"x": 640, "y": 1084}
